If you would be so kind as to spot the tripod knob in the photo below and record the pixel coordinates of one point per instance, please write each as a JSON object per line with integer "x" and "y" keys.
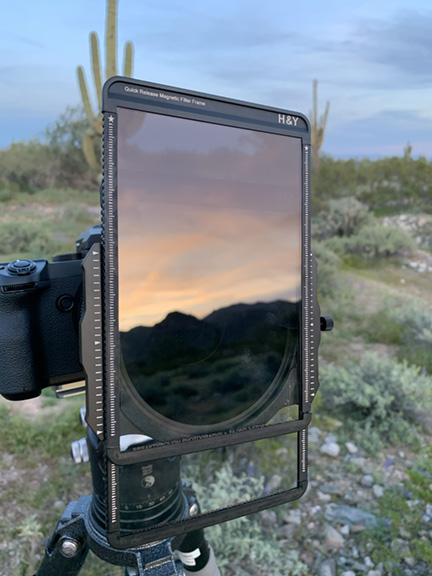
{"x": 79, "y": 451}
{"x": 326, "y": 323}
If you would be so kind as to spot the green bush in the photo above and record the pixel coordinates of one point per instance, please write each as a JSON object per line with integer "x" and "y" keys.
{"x": 328, "y": 270}
{"x": 379, "y": 398}
{"x": 241, "y": 542}
{"x": 415, "y": 323}
{"x": 375, "y": 241}
{"x": 343, "y": 217}
{"x": 57, "y": 160}
{"x": 29, "y": 237}
{"x": 371, "y": 243}
{"x": 416, "y": 320}
{"x": 387, "y": 185}
{"x": 381, "y": 327}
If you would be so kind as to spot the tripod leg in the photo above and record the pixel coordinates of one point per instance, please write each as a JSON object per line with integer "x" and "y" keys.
{"x": 156, "y": 560}
{"x": 197, "y": 555}
{"x": 210, "y": 569}
{"x": 67, "y": 548}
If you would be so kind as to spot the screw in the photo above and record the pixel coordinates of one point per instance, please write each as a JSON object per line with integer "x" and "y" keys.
{"x": 69, "y": 548}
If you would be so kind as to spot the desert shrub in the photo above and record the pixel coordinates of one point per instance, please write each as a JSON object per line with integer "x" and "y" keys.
{"x": 415, "y": 324}
{"x": 6, "y": 195}
{"x": 383, "y": 184}
{"x": 19, "y": 237}
{"x": 241, "y": 542}
{"x": 78, "y": 213}
{"x": 379, "y": 398}
{"x": 372, "y": 242}
{"x": 382, "y": 327}
{"x": 416, "y": 319}
{"x": 343, "y": 217}
{"x": 328, "y": 268}
{"x": 55, "y": 160}
{"x": 26, "y": 166}
{"x": 376, "y": 241}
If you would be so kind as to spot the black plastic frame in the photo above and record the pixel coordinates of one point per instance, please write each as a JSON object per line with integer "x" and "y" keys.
{"x": 133, "y": 94}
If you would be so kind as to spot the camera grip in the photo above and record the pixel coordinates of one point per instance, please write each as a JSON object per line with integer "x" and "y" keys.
{"x": 19, "y": 347}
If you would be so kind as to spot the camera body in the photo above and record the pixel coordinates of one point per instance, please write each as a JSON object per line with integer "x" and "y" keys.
{"x": 40, "y": 309}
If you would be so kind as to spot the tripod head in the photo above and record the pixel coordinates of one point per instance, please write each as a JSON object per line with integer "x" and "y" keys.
{"x": 151, "y": 494}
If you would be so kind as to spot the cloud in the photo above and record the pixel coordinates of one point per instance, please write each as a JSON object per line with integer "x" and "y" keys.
{"x": 381, "y": 134}
{"x": 383, "y": 53}
{"x": 32, "y": 42}
{"x": 403, "y": 44}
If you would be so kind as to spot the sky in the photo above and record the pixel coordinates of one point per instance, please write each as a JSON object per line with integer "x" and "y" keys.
{"x": 373, "y": 61}
{"x": 219, "y": 206}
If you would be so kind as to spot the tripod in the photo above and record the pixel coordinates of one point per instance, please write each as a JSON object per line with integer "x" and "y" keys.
{"x": 80, "y": 530}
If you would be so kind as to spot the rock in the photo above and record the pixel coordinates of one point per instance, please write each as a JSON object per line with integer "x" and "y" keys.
{"x": 378, "y": 490}
{"x": 368, "y": 562}
{"x": 344, "y": 514}
{"x": 330, "y": 438}
{"x": 348, "y": 573}
{"x": 327, "y": 568}
{"x": 351, "y": 447}
{"x": 323, "y": 497}
{"x": 333, "y": 538}
{"x": 330, "y": 449}
{"x": 345, "y": 530}
{"x": 314, "y": 434}
{"x": 328, "y": 488}
{"x": 358, "y": 461}
{"x": 367, "y": 481}
{"x": 357, "y": 528}
{"x": 293, "y": 517}
{"x": 355, "y": 552}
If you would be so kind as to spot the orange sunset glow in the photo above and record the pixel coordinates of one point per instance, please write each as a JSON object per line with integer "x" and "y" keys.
{"x": 208, "y": 216}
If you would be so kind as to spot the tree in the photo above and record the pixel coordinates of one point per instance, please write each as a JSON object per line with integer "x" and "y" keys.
{"x": 64, "y": 140}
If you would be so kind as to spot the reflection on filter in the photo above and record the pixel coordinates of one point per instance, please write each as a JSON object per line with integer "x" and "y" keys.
{"x": 201, "y": 372}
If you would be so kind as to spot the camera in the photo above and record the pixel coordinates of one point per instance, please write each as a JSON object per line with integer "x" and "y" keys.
{"x": 40, "y": 305}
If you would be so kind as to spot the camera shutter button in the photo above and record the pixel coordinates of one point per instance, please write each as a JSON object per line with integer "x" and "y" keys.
{"x": 21, "y": 267}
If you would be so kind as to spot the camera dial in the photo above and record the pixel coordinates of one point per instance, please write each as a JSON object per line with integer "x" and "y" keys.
{"x": 21, "y": 267}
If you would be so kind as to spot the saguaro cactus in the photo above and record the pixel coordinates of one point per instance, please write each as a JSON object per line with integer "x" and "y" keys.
{"x": 95, "y": 120}
{"x": 318, "y": 126}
